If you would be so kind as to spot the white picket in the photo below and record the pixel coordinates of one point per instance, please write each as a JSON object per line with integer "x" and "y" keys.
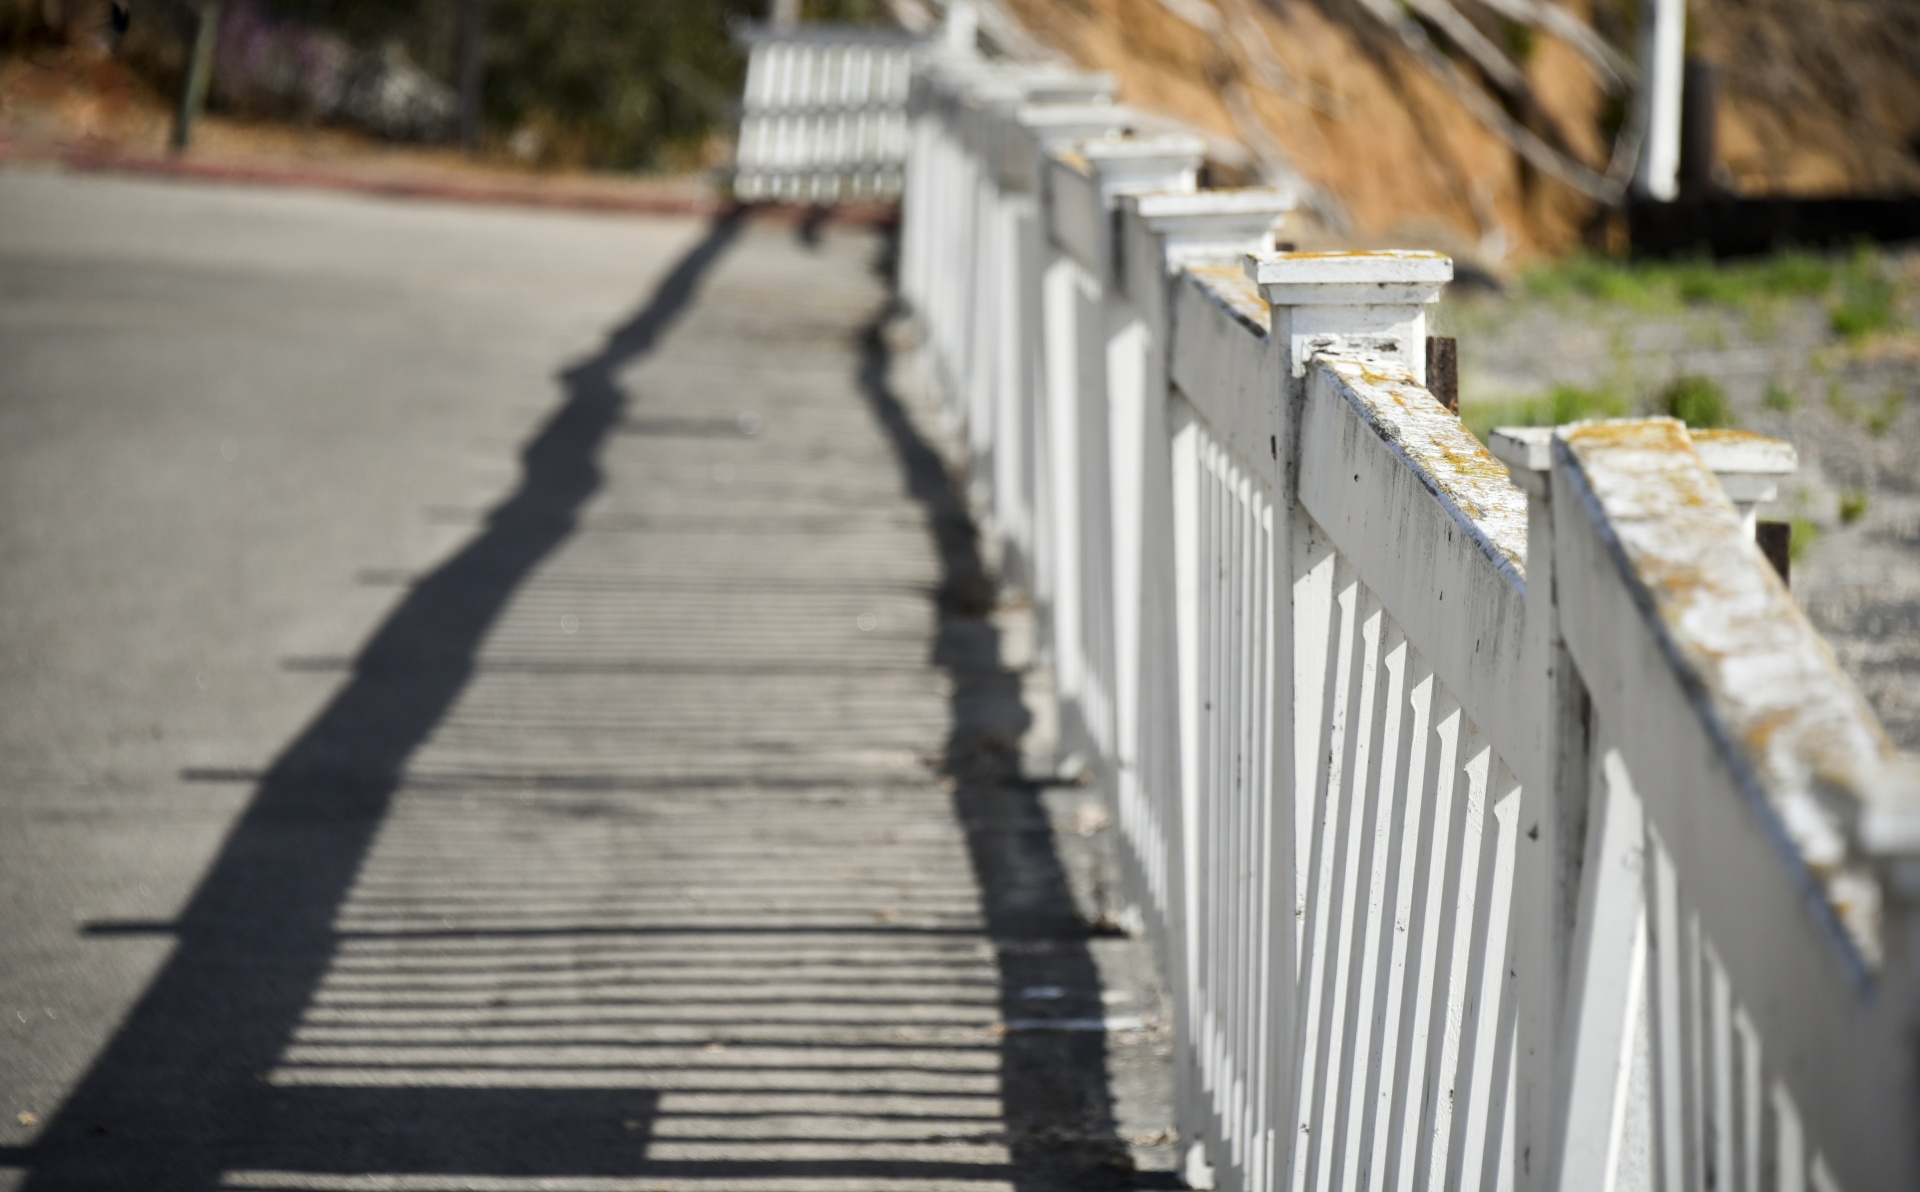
{"x": 1499, "y": 822}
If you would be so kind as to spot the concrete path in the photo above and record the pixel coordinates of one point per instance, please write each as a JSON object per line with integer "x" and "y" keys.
{"x": 507, "y": 701}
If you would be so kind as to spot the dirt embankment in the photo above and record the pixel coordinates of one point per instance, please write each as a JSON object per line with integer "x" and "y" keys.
{"x": 1470, "y": 130}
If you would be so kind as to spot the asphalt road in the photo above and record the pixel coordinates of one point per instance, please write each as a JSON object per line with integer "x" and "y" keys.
{"x": 226, "y": 420}
{"x": 491, "y": 697}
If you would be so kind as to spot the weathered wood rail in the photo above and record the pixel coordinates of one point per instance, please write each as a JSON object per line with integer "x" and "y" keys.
{"x": 1498, "y": 818}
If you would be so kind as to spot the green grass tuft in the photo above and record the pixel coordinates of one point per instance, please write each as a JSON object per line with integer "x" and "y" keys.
{"x": 1600, "y": 279}
{"x": 1561, "y": 404}
{"x": 1881, "y": 420}
{"x": 1853, "y": 507}
{"x": 1864, "y": 304}
{"x": 1696, "y": 401}
{"x": 1805, "y": 533}
{"x": 1795, "y": 275}
{"x": 1652, "y": 285}
{"x": 1778, "y": 398}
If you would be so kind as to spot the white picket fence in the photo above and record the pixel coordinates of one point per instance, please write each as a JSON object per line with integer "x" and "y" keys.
{"x": 823, "y": 117}
{"x": 1491, "y": 835}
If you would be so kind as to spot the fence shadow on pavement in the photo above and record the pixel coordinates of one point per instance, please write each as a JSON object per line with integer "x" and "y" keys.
{"x": 648, "y": 974}
{"x": 178, "y": 1088}
{"x": 1056, "y": 1087}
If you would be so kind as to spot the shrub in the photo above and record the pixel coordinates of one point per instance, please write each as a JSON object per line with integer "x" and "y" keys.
{"x": 1702, "y": 281}
{"x": 1696, "y": 401}
{"x": 1796, "y": 275}
{"x": 1805, "y": 532}
{"x": 1599, "y": 278}
{"x": 1881, "y": 420}
{"x": 1560, "y": 404}
{"x": 609, "y": 83}
{"x": 1749, "y": 285}
{"x": 1865, "y": 302}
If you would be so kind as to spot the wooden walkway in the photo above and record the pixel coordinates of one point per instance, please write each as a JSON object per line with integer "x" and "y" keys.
{"x": 643, "y": 845}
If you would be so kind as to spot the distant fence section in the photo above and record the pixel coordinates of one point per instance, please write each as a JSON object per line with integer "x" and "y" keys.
{"x": 824, "y": 114}
{"x": 1498, "y": 818}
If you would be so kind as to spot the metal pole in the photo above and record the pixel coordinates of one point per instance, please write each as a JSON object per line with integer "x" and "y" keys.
{"x": 1663, "y": 51}
{"x": 960, "y": 31}
{"x": 471, "y": 50}
{"x": 193, "y": 93}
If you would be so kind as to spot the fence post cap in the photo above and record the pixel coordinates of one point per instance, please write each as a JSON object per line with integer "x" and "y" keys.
{"x": 1039, "y": 115}
{"x": 1012, "y": 88}
{"x": 1054, "y": 126}
{"x": 990, "y": 92}
{"x": 1173, "y": 147}
{"x": 1527, "y": 451}
{"x": 1045, "y": 127}
{"x": 1522, "y": 448}
{"x": 1725, "y": 452}
{"x": 1063, "y": 87}
{"x": 1886, "y": 824}
{"x": 1393, "y": 277}
{"x": 1743, "y": 453}
{"x": 1151, "y": 161}
{"x": 1252, "y": 208}
{"x": 1747, "y": 465}
{"x": 1390, "y": 267}
{"x": 1210, "y": 225}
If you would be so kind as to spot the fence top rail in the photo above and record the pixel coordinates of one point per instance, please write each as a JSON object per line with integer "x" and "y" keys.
{"x": 1794, "y": 729}
{"x": 1389, "y": 276}
{"x": 1472, "y": 485}
{"x": 1226, "y": 284}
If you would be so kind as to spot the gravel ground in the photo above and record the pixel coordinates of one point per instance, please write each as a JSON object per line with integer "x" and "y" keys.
{"x": 1848, "y": 404}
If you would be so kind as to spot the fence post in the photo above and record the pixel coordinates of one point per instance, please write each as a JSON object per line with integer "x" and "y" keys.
{"x": 993, "y": 269}
{"x": 1371, "y": 304}
{"x": 1368, "y": 304}
{"x": 983, "y": 288}
{"x": 1158, "y": 234}
{"x": 1061, "y": 109}
{"x": 1575, "y": 876}
{"x": 1084, "y": 185}
{"x": 1748, "y": 467}
{"x": 1005, "y": 134}
{"x": 916, "y": 224}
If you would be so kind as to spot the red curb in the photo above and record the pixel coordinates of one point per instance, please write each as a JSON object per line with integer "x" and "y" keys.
{"x": 450, "y": 190}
